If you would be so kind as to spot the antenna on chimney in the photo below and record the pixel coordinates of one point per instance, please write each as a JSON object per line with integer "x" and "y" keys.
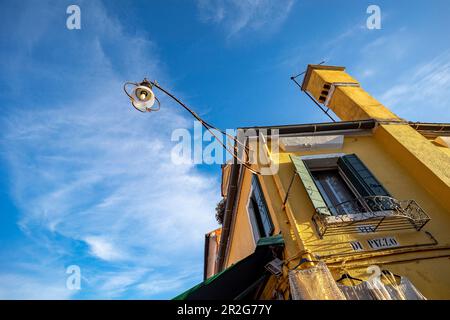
{"x": 294, "y": 78}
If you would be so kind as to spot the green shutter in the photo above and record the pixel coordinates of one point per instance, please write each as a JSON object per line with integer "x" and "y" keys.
{"x": 361, "y": 178}
{"x": 365, "y": 183}
{"x": 310, "y": 186}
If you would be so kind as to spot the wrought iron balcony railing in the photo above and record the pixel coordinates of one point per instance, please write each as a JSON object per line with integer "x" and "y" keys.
{"x": 370, "y": 214}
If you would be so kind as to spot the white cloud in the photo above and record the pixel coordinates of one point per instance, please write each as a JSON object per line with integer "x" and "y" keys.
{"x": 423, "y": 91}
{"x": 103, "y": 248}
{"x": 94, "y": 170}
{"x": 115, "y": 284}
{"x": 237, "y": 16}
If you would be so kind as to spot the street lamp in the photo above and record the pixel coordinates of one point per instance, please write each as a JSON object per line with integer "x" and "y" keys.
{"x": 142, "y": 96}
{"x": 143, "y": 99}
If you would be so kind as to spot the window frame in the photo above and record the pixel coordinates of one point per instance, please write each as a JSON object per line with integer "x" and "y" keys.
{"x": 325, "y": 194}
{"x": 320, "y": 162}
{"x": 255, "y": 221}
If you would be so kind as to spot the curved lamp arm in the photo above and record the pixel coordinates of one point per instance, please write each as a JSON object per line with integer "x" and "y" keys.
{"x": 206, "y": 125}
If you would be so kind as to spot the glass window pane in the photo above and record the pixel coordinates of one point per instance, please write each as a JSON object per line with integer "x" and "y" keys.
{"x": 261, "y": 211}
{"x": 253, "y": 221}
{"x": 336, "y": 192}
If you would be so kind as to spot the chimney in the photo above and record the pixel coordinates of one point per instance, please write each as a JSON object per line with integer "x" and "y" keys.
{"x": 337, "y": 90}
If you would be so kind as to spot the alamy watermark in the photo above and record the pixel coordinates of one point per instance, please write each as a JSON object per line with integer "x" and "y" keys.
{"x": 245, "y": 146}
{"x": 374, "y": 20}
{"x": 73, "y": 281}
{"x": 73, "y": 21}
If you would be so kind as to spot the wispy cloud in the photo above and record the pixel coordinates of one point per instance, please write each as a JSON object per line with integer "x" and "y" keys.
{"x": 92, "y": 171}
{"x": 39, "y": 280}
{"x": 238, "y": 16}
{"x": 115, "y": 284}
{"x": 103, "y": 248}
{"x": 158, "y": 283}
{"x": 422, "y": 93}
{"x": 16, "y": 286}
{"x": 345, "y": 36}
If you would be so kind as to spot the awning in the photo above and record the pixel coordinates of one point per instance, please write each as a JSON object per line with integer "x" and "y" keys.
{"x": 240, "y": 280}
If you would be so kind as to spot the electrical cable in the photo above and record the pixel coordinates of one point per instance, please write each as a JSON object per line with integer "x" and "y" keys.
{"x": 293, "y": 78}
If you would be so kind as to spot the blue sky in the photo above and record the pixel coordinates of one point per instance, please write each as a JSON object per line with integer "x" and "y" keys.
{"x": 86, "y": 180}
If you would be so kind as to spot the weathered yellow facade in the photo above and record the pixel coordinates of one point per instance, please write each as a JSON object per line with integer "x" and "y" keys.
{"x": 406, "y": 160}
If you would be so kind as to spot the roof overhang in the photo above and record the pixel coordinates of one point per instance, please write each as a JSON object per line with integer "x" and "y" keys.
{"x": 315, "y": 127}
{"x": 312, "y": 67}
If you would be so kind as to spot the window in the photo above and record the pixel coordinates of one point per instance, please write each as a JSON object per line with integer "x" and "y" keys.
{"x": 335, "y": 191}
{"x": 260, "y": 220}
{"x": 347, "y": 198}
{"x": 341, "y": 184}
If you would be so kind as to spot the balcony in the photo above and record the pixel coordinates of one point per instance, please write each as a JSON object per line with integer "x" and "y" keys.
{"x": 368, "y": 215}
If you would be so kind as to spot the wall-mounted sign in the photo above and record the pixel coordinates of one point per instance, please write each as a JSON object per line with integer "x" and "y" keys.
{"x": 356, "y": 246}
{"x": 381, "y": 243}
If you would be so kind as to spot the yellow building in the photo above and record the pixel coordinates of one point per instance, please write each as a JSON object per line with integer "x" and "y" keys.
{"x": 364, "y": 198}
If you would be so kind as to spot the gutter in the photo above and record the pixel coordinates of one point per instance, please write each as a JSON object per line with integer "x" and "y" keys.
{"x": 350, "y": 125}
{"x": 317, "y": 127}
{"x": 438, "y": 127}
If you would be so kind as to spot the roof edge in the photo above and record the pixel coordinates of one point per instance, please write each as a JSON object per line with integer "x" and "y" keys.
{"x": 312, "y": 67}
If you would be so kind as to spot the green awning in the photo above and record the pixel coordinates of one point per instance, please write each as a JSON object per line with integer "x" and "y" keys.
{"x": 238, "y": 280}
